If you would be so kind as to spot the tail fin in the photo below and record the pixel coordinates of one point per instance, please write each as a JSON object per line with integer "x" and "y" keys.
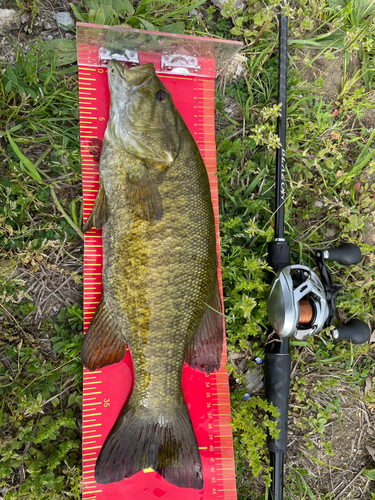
{"x": 143, "y": 438}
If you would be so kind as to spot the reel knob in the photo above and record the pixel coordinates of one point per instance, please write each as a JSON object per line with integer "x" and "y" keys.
{"x": 355, "y": 330}
{"x": 347, "y": 254}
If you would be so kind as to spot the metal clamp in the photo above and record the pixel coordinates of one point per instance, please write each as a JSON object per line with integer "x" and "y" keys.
{"x": 180, "y": 64}
{"x": 128, "y": 56}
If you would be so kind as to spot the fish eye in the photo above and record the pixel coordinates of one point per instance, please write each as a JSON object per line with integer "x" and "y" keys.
{"x": 162, "y": 96}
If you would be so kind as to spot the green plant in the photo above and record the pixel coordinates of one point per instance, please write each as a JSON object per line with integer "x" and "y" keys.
{"x": 251, "y": 422}
{"x": 148, "y": 15}
{"x": 252, "y": 22}
{"x": 40, "y": 404}
{"x": 357, "y": 17}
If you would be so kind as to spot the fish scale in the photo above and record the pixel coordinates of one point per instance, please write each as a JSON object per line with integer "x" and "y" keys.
{"x": 207, "y": 396}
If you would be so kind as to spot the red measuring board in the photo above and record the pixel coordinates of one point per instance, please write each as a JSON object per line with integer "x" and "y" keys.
{"x": 107, "y": 390}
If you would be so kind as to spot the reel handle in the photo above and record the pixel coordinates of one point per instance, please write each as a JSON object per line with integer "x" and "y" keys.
{"x": 355, "y": 330}
{"x": 346, "y": 254}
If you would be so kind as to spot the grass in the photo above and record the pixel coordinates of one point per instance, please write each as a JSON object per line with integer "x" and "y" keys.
{"x": 330, "y": 198}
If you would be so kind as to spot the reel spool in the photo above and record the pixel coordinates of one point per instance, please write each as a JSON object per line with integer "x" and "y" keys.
{"x": 306, "y": 312}
{"x": 297, "y": 304}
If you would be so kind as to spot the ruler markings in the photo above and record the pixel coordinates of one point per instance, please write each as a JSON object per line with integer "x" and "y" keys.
{"x": 206, "y": 139}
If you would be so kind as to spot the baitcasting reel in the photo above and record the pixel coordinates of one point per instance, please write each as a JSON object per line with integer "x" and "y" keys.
{"x": 300, "y": 304}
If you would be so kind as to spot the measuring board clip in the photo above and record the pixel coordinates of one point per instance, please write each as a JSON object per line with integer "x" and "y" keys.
{"x": 179, "y": 64}
{"x": 128, "y": 56}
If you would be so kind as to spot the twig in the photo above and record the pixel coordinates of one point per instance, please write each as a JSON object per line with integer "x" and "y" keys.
{"x": 258, "y": 37}
{"x": 65, "y": 215}
{"x": 57, "y": 289}
{"x": 294, "y": 369}
{"x": 27, "y": 447}
{"x": 328, "y": 24}
{"x": 366, "y": 486}
{"x": 337, "y": 497}
{"x": 61, "y": 247}
{"x": 13, "y": 318}
{"x": 62, "y": 392}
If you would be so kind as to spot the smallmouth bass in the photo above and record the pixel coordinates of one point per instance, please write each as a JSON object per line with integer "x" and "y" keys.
{"x": 160, "y": 288}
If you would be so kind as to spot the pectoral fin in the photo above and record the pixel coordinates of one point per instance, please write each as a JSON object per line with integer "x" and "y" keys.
{"x": 104, "y": 344}
{"x": 99, "y": 214}
{"x": 205, "y": 350}
{"x": 143, "y": 195}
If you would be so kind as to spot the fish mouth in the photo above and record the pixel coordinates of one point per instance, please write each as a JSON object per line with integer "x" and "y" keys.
{"x": 135, "y": 76}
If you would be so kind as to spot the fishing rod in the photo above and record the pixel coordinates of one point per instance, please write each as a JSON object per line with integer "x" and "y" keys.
{"x": 300, "y": 303}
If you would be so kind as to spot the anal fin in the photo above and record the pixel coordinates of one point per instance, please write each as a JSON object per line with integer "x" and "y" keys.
{"x": 103, "y": 344}
{"x": 205, "y": 350}
{"x": 99, "y": 213}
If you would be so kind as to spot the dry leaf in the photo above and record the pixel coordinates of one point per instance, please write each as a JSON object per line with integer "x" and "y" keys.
{"x": 371, "y": 451}
{"x": 368, "y": 386}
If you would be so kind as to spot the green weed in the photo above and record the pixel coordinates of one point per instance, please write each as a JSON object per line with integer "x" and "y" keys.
{"x": 41, "y": 398}
{"x": 153, "y": 16}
